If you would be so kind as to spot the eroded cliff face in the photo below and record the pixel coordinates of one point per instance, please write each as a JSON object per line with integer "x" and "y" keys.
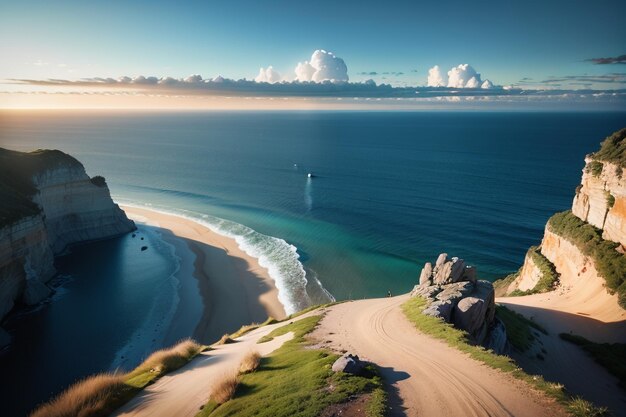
{"x": 601, "y": 199}
{"x": 73, "y": 208}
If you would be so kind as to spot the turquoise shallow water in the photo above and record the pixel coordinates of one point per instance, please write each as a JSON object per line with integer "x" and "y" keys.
{"x": 391, "y": 191}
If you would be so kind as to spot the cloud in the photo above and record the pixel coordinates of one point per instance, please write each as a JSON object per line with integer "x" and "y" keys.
{"x": 368, "y": 73}
{"x": 268, "y": 75}
{"x": 323, "y": 66}
{"x": 461, "y": 76}
{"x": 436, "y": 78}
{"x": 610, "y": 60}
{"x": 613, "y": 78}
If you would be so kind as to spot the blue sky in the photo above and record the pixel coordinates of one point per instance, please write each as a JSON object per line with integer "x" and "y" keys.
{"x": 504, "y": 41}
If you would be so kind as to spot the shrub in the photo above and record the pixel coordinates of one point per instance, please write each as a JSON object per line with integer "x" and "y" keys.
{"x": 608, "y": 261}
{"x": 594, "y": 168}
{"x": 224, "y": 389}
{"x": 167, "y": 360}
{"x": 250, "y": 362}
{"x": 224, "y": 340}
{"x": 92, "y": 396}
{"x": 610, "y": 200}
{"x": 613, "y": 149}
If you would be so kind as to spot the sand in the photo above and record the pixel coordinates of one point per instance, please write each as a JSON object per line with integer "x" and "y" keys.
{"x": 426, "y": 376}
{"x": 235, "y": 289}
{"x": 182, "y": 392}
{"x": 582, "y": 306}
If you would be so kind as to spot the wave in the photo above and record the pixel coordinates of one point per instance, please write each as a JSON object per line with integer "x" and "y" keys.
{"x": 279, "y": 257}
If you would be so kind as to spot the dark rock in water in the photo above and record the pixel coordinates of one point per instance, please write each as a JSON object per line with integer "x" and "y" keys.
{"x": 143, "y": 248}
{"x": 141, "y": 238}
{"x": 348, "y": 363}
{"x": 134, "y": 235}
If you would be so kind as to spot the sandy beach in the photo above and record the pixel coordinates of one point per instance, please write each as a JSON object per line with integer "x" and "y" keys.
{"x": 235, "y": 289}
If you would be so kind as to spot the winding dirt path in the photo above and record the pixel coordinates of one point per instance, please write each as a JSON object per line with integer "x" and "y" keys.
{"x": 426, "y": 377}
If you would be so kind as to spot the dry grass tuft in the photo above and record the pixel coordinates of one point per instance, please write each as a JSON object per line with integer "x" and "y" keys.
{"x": 226, "y": 339}
{"x": 224, "y": 389}
{"x": 167, "y": 360}
{"x": 93, "y": 396}
{"x": 101, "y": 394}
{"x": 250, "y": 362}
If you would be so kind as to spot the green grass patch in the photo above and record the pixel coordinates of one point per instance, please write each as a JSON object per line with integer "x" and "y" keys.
{"x": 518, "y": 328}
{"x": 296, "y": 381}
{"x": 459, "y": 339}
{"x": 612, "y": 356}
{"x": 377, "y": 406}
{"x": 608, "y": 261}
{"x": 249, "y": 327}
{"x": 613, "y": 149}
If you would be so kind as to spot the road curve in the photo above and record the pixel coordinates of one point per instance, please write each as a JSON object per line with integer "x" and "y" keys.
{"x": 426, "y": 377}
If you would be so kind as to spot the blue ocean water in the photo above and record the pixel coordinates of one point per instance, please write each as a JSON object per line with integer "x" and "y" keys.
{"x": 391, "y": 189}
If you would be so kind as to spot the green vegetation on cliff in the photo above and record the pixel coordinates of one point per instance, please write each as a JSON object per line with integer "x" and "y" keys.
{"x": 547, "y": 282}
{"x": 298, "y": 381}
{"x": 16, "y": 180}
{"x": 518, "y": 328}
{"x": 613, "y": 149}
{"x": 610, "y": 263}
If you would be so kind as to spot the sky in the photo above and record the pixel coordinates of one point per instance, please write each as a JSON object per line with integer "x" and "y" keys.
{"x": 529, "y": 45}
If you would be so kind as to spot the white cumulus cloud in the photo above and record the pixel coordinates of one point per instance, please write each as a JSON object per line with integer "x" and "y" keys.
{"x": 268, "y": 75}
{"x": 323, "y": 66}
{"x": 436, "y": 78}
{"x": 461, "y": 76}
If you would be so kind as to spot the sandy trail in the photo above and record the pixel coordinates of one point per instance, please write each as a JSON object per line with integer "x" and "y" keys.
{"x": 181, "y": 393}
{"x": 426, "y": 377}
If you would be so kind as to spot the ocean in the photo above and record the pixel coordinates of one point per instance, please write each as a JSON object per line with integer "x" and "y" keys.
{"x": 390, "y": 191}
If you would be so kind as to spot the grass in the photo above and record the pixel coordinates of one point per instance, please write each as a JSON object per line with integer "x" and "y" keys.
{"x": 518, "y": 328}
{"x": 250, "y": 362}
{"x": 225, "y": 340}
{"x": 549, "y": 277}
{"x": 501, "y": 285}
{"x": 610, "y": 200}
{"x": 610, "y": 355}
{"x": 608, "y": 261}
{"x": 298, "y": 381}
{"x": 249, "y": 327}
{"x": 613, "y": 149}
{"x": 100, "y": 395}
{"x": 580, "y": 407}
{"x": 224, "y": 389}
{"x": 459, "y": 339}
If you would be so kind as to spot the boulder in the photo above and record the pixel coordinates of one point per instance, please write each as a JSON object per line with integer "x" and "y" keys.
{"x": 469, "y": 315}
{"x": 440, "y": 309}
{"x": 443, "y": 257}
{"x": 442, "y": 273}
{"x": 426, "y": 274}
{"x": 348, "y": 363}
{"x": 455, "y": 292}
{"x": 485, "y": 291}
{"x": 426, "y": 291}
{"x": 457, "y": 269}
{"x": 469, "y": 274}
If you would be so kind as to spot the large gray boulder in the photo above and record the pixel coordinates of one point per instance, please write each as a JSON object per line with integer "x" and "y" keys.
{"x": 457, "y": 269}
{"x": 426, "y": 274}
{"x": 455, "y": 292}
{"x": 348, "y": 363}
{"x": 469, "y": 315}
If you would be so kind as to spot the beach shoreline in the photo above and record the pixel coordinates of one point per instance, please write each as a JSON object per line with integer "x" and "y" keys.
{"x": 235, "y": 289}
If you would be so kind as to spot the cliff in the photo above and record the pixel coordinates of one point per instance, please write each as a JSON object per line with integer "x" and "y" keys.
{"x": 584, "y": 246}
{"x": 48, "y": 203}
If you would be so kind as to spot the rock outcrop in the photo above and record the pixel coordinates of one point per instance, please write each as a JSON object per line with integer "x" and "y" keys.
{"x": 49, "y": 203}
{"x": 456, "y": 296}
{"x": 348, "y": 363}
